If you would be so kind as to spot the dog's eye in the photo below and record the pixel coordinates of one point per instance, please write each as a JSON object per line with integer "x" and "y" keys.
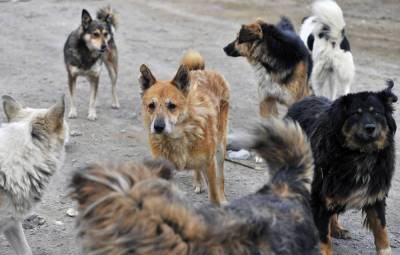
{"x": 96, "y": 34}
{"x": 152, "y": 106}
{"x": 105, "y": 34}
{"x": 171, "y": 106}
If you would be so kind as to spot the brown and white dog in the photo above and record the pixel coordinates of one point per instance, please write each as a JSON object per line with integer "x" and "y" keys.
{"x": 186, "y": 119}
{"x": 280, "y": 59}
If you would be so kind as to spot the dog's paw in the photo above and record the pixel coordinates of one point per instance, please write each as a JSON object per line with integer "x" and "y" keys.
{"x": 115, "y": 105}
{"x": 197, "y": 189}
{"x": 341, "y": 234}
{"x": 92, "y": 116}
{"x": 387, "y": 251}
{"x": 259, "y": 160}
{"x": 72, "y": 114}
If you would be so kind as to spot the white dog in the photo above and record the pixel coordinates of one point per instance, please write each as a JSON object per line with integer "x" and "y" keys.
{"x": 31, "y": 150}
{"x": 324, "y": 35}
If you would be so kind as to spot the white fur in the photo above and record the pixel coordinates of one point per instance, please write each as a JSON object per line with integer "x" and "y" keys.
{"x": 387, "y": 251}
{"x": 333, "y": 68}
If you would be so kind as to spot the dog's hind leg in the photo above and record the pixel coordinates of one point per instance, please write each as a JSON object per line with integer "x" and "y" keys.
{"x": 376, "y": 221}
{"x": 94, "y": 85}
{"x": 15, "y": 236}
{"x": 210, "y": 173}
{"x": 337, "y": 231}
{"x": 111, "y": 63}
{"x": 321, "y": 219}
{"x": 269, "y": 107}
{"x": 197, "y": 181}
{"x": 221, "y": 148}
{"x": 72, "y": 86}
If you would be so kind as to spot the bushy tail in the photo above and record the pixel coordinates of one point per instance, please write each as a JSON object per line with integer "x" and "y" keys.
{"x": 328, "y": 12}
{"x": 285, "y": 24}
{"x": 193, "y": 61}
{"x": 108, "y": 15}
{"x": 285, "y": 148}
{"x": 133, "y": 209}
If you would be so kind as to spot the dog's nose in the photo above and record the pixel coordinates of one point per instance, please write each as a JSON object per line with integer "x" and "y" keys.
{"x": 370, "y": 128}
{"x": 159, "y": 125}
{"x": 103, "y": 47}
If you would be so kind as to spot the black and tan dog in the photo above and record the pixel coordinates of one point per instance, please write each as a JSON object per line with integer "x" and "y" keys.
{"x": 84, "y": 53}
{"x": 134, "y": 209}
{"x": 353, "y": 145}
{"x": 280, "y": 59}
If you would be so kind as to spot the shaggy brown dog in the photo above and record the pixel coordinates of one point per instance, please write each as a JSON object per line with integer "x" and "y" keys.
{"x": 134, "y": 209}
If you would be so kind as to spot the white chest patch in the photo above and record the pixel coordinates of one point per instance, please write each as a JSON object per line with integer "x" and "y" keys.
{"x": 267, "y": 87}
{"x": 93, "y": 71}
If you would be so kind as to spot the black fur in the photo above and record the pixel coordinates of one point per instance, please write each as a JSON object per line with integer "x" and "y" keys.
{"x": 341, "y": 169}
{"x": 345, "y": 44}
{"x": 310, "y": 42}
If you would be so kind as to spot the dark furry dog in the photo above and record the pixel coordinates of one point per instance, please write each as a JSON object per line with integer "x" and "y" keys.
{"x": 84, "y": 53}
{"x": 353, "y": 146}
{"x": 134, "y": 209}
{"x": 280, "y": 60}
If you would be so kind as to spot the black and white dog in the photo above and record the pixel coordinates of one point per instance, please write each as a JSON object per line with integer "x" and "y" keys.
{"x": 324, "y": 34}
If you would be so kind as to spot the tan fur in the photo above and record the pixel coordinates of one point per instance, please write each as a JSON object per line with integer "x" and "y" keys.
{"x": 379, "y": 231}
{"x": 199, "y": 126}
{"x": 298, "y": 87}
{"x": 326, "y": 248}
{"x": 269, "y": 107}
{"x": 193, "y": 61}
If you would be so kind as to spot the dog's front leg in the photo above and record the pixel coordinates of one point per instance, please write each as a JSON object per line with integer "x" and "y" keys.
{"x": 72, "y": 86}
{"x": 16, "y": 237}
{"x": 111, "y": 63}
{"x": 94, "y": 85}
{"x": 210, "y": 173}
{"x": 376, "y": 221}
{"x": 321, "y": 219}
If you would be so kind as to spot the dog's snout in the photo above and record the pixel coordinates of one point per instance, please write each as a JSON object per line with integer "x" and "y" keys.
{"x": 370, "y": 128}
{"x": 230, "y": 50}
{"x": 103, "y": 47}
{"x": 159, "y": 125}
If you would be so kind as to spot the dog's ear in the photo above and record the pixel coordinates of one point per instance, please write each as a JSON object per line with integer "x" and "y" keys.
{"x": 55, "y": 115}
{"x": 182, "y": 79}
{"x": 161, "y": 167}
{"x": 146, "y": 78}
{"x": 338, "y": 112}
{"x": 249, "y": 33}
{"x": 86, "y": 19}
{"x": 387, "y": 97}
{"x": 11, "y": 107}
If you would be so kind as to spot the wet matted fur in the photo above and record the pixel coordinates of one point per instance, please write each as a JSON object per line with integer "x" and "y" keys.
{"x": 134, "y": 209}
{"x": 280, "y": 59}
{"x": 85, "y": 51}
{"x": 186, "y": 120}
{"x": 31, "y": 150}
{"x": 353, "y": 144}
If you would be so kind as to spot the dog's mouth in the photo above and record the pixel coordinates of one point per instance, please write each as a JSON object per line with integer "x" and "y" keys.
{"x": 231, "y": 51}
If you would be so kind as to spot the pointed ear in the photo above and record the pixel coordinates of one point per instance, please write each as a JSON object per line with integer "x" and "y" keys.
{"x": 161, "y": 167}
{"x": 249, "y": 33}
{"x": 146, "y": 78}
{"x": 86, "y": 19}
{"x": 182, "y": 79}
{"x": 55, "y": 115}
{"x": 390, "y": 97}
{"x": 11, "y": 107}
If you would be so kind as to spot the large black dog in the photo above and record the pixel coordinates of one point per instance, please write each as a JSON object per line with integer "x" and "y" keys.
{"x": 352, "y": 139}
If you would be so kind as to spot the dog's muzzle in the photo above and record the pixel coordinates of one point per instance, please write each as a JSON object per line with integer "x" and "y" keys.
{"x": 159, "y": 125}
{"x": 231, "y": 51}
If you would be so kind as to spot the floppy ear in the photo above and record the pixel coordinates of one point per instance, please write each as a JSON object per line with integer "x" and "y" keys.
{"x": 11, "y": 107}
{"x": 338, "y": 112}
{"x": 249, "y": 33}
{"x": 86, "y": 19}
{"x": 182, "y": 78}
{"x": 146, "y": 78}
{"x": 388, "y": 98}
{"x": 55, "y": 115}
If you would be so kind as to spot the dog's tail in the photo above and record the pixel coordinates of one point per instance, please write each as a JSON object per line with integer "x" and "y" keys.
{"x": 193, "y": 60}
{"x": 285, "y": 24}
{"x": 328, "y": 13}
{"x": 133, "y": 207}
{"x": 108, "y": 15}
{"x": 286, "y": 149}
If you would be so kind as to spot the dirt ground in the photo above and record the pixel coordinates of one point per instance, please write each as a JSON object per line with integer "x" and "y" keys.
{"x": 157, "y": 33}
